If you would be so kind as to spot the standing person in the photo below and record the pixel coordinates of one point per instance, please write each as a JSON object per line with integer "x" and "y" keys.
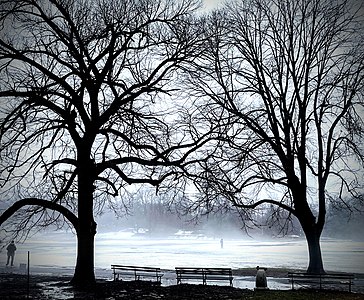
{"x": 222, "y": 243}
{"x": 11, "y": 252}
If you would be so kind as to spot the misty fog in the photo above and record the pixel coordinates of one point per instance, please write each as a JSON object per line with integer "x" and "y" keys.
{"x": 156, "y": 220}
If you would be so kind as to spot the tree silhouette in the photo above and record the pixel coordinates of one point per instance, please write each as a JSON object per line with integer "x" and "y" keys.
{"x": 286, "y": 78}
{"x": 88, "y": 107}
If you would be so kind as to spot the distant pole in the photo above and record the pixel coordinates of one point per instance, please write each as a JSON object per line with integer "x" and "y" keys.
{"x": 28, "y": 276}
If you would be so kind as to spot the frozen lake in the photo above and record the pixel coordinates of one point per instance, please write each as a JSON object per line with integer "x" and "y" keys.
{"x": 58, "y": 250}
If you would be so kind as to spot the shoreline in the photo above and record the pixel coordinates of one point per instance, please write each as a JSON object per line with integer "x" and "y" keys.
{"x": 106, "y": 274}
{"x": 101, "y": 271}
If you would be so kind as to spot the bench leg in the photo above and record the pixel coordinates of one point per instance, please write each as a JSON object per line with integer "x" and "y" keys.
{"x": 320, "y": 283}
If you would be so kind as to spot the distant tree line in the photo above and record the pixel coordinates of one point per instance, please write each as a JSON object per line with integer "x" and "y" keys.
{"x": 153, "y": 215}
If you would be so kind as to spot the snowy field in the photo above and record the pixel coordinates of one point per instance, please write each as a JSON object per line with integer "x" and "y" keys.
{"x": 57, "y": 251}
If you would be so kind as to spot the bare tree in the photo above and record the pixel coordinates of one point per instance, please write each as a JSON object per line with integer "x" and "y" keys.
{"x": 286, "y": 78}
{"x": 85, "y": 93}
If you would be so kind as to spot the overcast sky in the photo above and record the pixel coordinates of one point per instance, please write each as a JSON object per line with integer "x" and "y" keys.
{"x": 210, "y": 4}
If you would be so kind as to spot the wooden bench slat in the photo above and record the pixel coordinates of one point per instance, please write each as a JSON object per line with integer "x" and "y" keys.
{"x": 137, "y": 272}
{"x": 321, "y": 279}
{"x": 121, "y": 267}
{"x": 204, "y": 274}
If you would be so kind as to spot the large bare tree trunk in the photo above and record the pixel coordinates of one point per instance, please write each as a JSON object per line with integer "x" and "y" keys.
{"x": 310, "y": 226}
{"x": 314, "y": 250}
{"x": 84, "y": 271}
{"x": 315, "y": 265}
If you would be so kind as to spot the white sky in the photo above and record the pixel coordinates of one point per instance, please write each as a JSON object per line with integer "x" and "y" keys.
{"x": 211, "y": 4}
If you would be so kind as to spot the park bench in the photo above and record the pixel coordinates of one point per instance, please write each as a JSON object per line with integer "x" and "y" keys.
{"x": 136, "y": 272}
{"x": 204, "y": 274}
{"x": 331, "y": 280}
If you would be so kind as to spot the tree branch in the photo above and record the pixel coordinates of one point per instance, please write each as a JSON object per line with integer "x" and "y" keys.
{"x": 70, "y": 216}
